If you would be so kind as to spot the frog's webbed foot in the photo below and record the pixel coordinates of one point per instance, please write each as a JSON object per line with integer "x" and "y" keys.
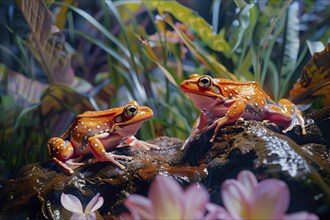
{"x": 100, "y": 154}
{"x": 134, "y": 142}
{"x": 296, "y": 118}
{"x": 60, "y": 151}
{"x": 234, "y": 112}
{"x": 110, "y": 157}
{"x": 73, "y": 163}
{"x": 69, "y": 165}
{"x": 217, "y": 124}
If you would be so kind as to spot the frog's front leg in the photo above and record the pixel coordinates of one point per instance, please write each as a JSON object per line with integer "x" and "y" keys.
{"x": 61, "y": 152}
{"x": 134, "y": 142}
{"x": 199, "y": 124}
{"x": 99, "y": 152}
{"x": 286, "y": 111}
{"x": 234, "y": 112}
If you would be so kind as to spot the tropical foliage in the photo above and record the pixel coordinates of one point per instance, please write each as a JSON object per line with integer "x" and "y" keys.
{"x": 60, "y": 58}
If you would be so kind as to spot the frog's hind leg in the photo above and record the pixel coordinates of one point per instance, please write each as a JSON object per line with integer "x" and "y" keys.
{"x": 287, "y": 111}
{"x": 297, "y": 118}
{"x": 61, "y": 152}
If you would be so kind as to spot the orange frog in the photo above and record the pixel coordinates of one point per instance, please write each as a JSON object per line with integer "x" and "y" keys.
{"x": 97, "y": 131}
{"x": 223, "y": 101}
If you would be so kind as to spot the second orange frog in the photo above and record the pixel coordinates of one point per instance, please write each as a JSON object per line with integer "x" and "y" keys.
{"x": 223, "y": 101}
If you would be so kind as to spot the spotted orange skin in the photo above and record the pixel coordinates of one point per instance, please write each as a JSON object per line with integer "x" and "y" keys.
{"x": 60, "y": 148}
{"x": 98, "y": 131}
{"x": 223, "y": 101}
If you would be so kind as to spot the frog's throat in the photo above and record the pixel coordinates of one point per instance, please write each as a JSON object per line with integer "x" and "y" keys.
{"x": 129, "y": 129}
{"x": 201, "y": 101}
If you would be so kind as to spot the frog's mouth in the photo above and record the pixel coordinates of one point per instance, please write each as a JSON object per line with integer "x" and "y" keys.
{"x": 202, "y": 102}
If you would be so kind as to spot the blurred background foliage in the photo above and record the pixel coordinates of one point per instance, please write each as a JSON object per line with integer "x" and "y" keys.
{"x": 59, "y": 58}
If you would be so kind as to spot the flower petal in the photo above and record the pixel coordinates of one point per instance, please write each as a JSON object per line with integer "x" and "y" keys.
{"x": 302, "y": 215}
{"x": 248, "y": 180}
{"x": 194, "y": 201}
{"x": 71, "y": 203}
{"x": 234, "y": 198}
{"x": 139, "y": 206}
{"x": 79, "y": 216}
{"x": 91, "y": 216}
{"x": 165, "y": 195}
{"x": 270, "y": 199}
{"x": 94, "y": 204}
{"x": 216, "y": 212}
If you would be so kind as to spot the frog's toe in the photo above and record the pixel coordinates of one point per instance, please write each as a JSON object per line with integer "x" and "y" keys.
{"x": 73, "y": 164}
{"x": 194, "y": 134}
{"x": 185, "y": 144}
{"x": 122, "y": 157}
{"x": 112, "y": 158}
{"x": 143, "y": 144}
{"x": 296, "y": 120}
{"x": 152, "y": 146}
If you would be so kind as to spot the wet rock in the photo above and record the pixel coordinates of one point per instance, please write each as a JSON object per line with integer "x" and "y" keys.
{"x": 302, "y": 161}
{"x": 37, "y": 190}
{"x": 263, "y": 149}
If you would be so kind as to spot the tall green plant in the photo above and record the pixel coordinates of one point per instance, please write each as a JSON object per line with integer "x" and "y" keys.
{"x": 143, "y": 57}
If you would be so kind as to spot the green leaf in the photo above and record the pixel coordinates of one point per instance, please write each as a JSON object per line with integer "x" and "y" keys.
{"x": 46, "y": 43}
{"x": 266, "y": 58}
{"x": 194, "y": 21}
{"x": 170, "y": 75}
{"x": 244, "y": 21}
{"x": 115, "y": 12}
{"x": 215, "y": 15}
{"x": 315, "y": 46}
{"x": 209, "y": 61}
{"x": 276, "y": 9}
{"x": 267, "y": 20}
{"x": 291, "y": 46}
{"x": 246, "y": 55}
{"x": 291, "y": 40}
{"x": 104, "y": 47}
{"x": 13, "y": 55}
{"x": 23, "y": 90}
{"x": 240, "y": 3}
{"x": 97, "y": 25}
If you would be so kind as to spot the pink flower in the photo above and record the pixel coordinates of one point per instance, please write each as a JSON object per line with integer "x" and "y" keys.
{"x": 73, "y": 204}
{"x": 245, "y": 198}
{"x": 167, "y": 200}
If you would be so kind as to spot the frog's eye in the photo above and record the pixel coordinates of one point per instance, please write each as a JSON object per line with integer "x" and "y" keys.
{"x": 130, "y": 110}
{"x": 205, "y": 82}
